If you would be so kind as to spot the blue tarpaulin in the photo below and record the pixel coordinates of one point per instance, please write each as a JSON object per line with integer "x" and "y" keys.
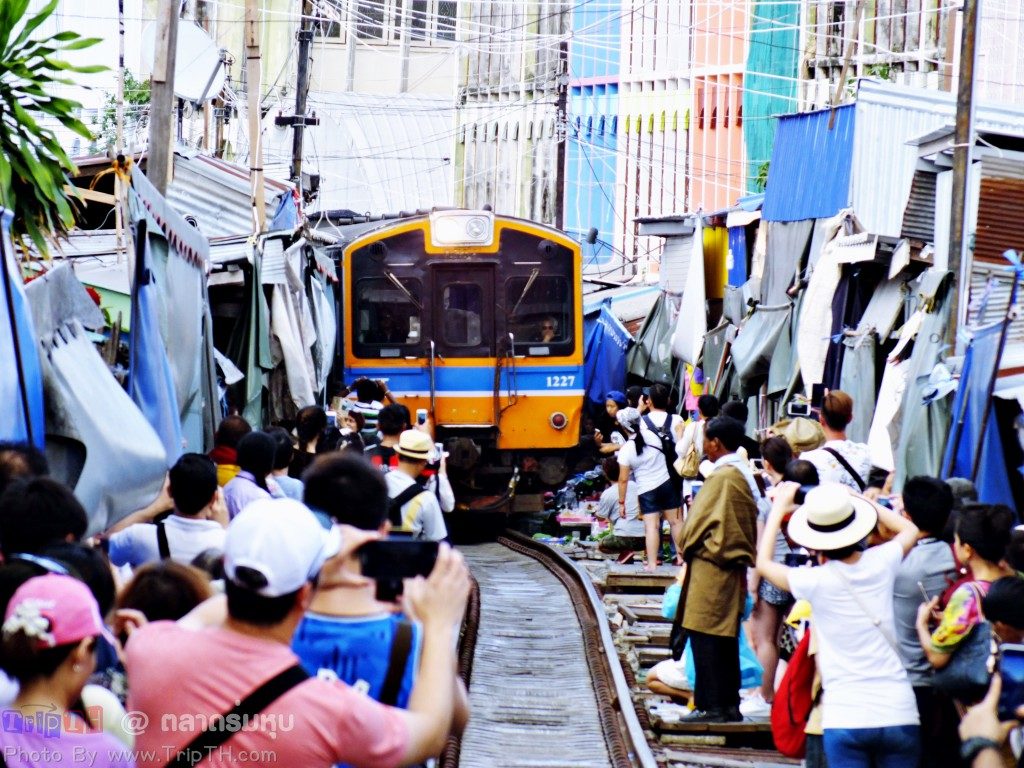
{"x": 21, "y": 378}
{"x": 150, "y": 381}
{"x": 972, "y": 399}
{"x": 606, "y": 342}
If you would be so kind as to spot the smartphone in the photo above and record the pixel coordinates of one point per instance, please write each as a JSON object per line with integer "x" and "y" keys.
{"x": 924, "y": 592}
{"x": 1011, "y": 670}
{"x": 332, "y": 418}
{"x": 421, "y": 416}
{"x": 817, "y": 395}
{"x": 389, "y": 561}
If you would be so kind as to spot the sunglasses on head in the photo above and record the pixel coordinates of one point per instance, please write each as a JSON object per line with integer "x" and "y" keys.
{"x": 547, "y": 327}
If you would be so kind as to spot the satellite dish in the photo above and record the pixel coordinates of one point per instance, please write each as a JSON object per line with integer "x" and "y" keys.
{"x": 198, "y": 70}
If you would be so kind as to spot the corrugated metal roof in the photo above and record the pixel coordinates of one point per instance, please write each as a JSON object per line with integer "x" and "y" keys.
{"x": 919, "y": 216}
{"x": 809, "y": 175}
{"x": 888, "y": 117}
{"x": 1000, "y": 224}
{"x": 217, "y": 194}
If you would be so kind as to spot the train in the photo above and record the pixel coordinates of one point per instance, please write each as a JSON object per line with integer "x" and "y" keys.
{"x": 477, "y": 318}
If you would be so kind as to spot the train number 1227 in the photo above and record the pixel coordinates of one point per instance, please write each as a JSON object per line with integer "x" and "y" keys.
{"x": 561, "y": 381}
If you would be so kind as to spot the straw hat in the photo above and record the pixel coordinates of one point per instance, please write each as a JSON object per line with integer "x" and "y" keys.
{"x": 415, "y": 445}
{"x": 831, "y": 518}
{"x": 801, "y": 434}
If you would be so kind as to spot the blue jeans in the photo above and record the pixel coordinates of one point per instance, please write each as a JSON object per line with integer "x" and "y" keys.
{"x": 894, "y": 747}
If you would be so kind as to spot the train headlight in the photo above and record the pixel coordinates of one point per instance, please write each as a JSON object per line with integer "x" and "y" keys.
{"x": 461, "y": 228}
{"x": 558, "y": 420}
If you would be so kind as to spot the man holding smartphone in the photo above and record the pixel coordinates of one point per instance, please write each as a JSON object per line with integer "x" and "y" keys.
{"x": 930, "y": 567}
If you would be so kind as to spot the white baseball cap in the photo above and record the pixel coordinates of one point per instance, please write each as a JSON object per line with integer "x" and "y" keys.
{"x": 282, "y": 540}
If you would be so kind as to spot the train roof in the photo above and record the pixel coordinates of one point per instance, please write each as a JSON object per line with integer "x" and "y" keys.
{"x": 342, "y": 226}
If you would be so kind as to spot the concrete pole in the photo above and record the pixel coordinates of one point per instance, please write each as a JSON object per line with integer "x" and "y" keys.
{"x": 253, "y": 85}
{"x": 962, "y": 146}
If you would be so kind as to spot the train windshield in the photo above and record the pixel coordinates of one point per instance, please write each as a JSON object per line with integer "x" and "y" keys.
{"x": 541, "y": 309}
{"x": 388, "y": 311}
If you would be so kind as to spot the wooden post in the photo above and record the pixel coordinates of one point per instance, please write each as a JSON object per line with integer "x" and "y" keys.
{"x": 158, "y": 167}
{"x": 253, "y": 85}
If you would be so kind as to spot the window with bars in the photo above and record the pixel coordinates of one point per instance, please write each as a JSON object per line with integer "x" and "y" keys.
{"x": 381, "y": 20}
{"x": 370, "y": 18}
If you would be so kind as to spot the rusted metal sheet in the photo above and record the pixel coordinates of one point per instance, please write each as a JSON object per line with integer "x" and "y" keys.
{"x": 1000, "y": 225}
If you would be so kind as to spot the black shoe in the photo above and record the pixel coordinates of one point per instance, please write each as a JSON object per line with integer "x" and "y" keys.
{"x": 705, "y": 716}
{"x": 732, "y": 715}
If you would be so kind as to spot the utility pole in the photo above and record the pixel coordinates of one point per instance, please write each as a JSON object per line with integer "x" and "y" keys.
{"x": 350, "y": 47}
{"x": 962, "y": 151}
{"x": 562, "y": 121}
{"x": 162, "y": 95}
{"x": 301, "y": 89}
{"x": 403, "y": 47}
{"x": 253, "y": 87}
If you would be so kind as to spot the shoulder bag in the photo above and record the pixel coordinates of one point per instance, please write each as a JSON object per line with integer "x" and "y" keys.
{"x": 966, "y": 676}
{"x": 689, "y": 465}
{"x": 203, "y": 745}
{"x": 849, "y": 469}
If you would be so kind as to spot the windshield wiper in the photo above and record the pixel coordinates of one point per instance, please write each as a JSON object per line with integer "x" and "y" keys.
{"x": 398, "y": 284}
{"x": 526, "y": 289}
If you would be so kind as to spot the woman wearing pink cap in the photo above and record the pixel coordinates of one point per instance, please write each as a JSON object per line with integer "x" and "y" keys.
{"x": 48, "y": 643}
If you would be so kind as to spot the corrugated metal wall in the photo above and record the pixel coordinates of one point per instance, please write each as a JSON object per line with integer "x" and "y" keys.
{"x": 1000, "y": 208}
{"x": 889, "y": 116}
{"x": 919, "y": 216}
{"x": 809, "y": 176}
{"x": 675, "y": 263}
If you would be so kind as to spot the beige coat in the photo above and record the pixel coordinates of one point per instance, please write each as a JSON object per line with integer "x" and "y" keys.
{"x": 719, "y": 543}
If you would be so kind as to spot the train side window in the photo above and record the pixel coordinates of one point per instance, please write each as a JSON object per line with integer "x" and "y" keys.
{"x": 385, "y": 316}
{"x": 540, "y": 310}
{"x": 463, "y": 308}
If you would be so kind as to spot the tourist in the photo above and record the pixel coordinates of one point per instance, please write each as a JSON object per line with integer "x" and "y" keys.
{"x": 869, "y": 714}
{"x": 187, "y": 672}
{"x": 928, "y": 567}
{"x": 290, "y": 487}
{"x": 347, "y": 633}
{"x": 256, "y": 453}
{"x": 413, "y": 507}
{"x": 225, "y": 447}
{"x": 36, "y": 512}
{"x": 717, "y": 546}
{"x": 310, "y": 424}
{"x": 50, "y": 633}
{"x": 840, "y": 460}
{"x": 196, "y": 524}
{"x": 644, "y": 456}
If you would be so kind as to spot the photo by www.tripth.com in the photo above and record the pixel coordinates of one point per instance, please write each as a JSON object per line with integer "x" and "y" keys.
{"x": 85, "y": 757}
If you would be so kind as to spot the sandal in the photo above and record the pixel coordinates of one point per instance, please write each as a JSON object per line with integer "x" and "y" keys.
{"x": 625, "y": 558}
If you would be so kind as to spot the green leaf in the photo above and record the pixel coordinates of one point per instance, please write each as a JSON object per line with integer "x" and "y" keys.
{"x": 84, "y": 42}
{"x": 34, "y": 22}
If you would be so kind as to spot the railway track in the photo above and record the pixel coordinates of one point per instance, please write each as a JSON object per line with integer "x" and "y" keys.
{"x": 548, "y": 686}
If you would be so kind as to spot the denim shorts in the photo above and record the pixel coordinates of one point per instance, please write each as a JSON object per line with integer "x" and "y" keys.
{"x": 665, "y": 496}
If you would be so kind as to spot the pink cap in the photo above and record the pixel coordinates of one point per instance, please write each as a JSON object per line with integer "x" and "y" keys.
{"x": 54, "y": 609}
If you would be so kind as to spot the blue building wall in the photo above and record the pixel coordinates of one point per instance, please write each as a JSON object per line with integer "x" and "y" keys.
{"x": 593, "y": 127}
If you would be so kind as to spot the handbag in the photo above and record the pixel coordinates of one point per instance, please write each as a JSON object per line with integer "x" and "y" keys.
{"x": 689, "y": 465}
{"x": 966, "y": 676}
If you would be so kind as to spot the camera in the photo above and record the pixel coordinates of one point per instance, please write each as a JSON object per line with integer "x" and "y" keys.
{"x": 795, "y": 409}
{"x": 796, "y": 559}
{"x": 389, "y": 561}
{"x": 421, "y": 416}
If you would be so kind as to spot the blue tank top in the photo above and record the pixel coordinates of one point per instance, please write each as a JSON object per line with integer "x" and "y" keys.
{"x": 356, "y": 650}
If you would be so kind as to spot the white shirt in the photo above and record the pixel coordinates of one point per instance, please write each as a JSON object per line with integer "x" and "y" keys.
{"x": 864, "y": 682}
{"x": 649, "y": 468}
{"x": 608, "y": 506}
{"x": 422, "y": 514}
{"x": 829, "y": 468}
{"x": 186, "y": 538}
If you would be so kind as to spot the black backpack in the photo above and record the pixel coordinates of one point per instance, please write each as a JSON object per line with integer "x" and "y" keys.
{"x": 668, "y": 447}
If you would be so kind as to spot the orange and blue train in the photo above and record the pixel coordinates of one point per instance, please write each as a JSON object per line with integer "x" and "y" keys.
{"x": 476, "y": 318}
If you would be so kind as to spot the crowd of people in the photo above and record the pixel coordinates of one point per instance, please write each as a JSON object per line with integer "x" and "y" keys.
{"x": 229, "y": 621}
{"x": 903, "y": 598}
